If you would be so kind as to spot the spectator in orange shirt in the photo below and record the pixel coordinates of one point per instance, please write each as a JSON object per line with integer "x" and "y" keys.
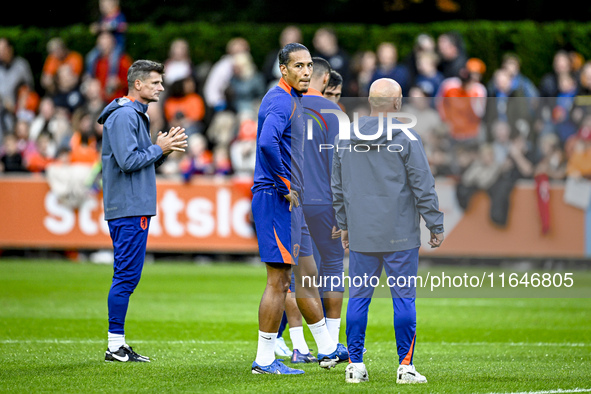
{"x": 185, "y": 107}
{"x": 43, "y": 154}
{"x": 59, "y": 54}
{"x": 243, "y": 148}
{"x": 113, "y": 85}
{"x": 579, "y": 163}
{"x": 461, "y": 102}
{"x": 27, "y": 102}
{"x": 83, "y": 145}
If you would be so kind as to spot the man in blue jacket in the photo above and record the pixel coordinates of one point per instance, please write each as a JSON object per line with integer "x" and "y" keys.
{"x": 129, "y": 161}
{"x": 382, "y": 185}
{"x": 318, "y": 213}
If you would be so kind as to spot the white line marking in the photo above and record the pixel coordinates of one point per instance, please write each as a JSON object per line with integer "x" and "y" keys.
{"x": 525, "y": 344}
{"x": 557, "y": 391}
{"x": 93, "y": 341}
{"x": 205, "y": 342}
{"x": 517, "y": 344}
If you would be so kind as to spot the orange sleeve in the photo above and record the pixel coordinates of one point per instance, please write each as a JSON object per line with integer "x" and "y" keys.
{"x": 170, "y": 109}
{"x": 75, "y": 61}
{"x": 50, "y": 66}
{"x": 124, "y": 65}
{"x": 576, "y": 165}
{"x": 196, "y": 107}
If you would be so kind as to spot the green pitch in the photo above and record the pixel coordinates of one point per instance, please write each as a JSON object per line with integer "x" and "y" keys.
{"x": 199, "y": 326}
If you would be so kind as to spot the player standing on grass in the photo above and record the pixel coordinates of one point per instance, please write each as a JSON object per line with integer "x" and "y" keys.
{"x": 129, "y": 160}
{"x": 378, "y": 196}
{"x": 318, "y": 212}
{"x": 283, "y": 237}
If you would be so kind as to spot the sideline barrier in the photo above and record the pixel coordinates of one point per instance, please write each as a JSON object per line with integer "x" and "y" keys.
{"x": 212, "y": 215}
{"x": 207, "y": 215}
{"x": 472, "y": 233}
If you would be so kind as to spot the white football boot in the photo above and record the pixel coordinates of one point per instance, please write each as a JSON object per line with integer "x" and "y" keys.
{"x": 356, "y": 374}
{"x": 408, "y": 374}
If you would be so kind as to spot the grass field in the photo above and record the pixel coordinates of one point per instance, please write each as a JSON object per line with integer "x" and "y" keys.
{"x": 198, "y": 323}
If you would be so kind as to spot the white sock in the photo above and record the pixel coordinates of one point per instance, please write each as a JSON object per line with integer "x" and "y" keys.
{"x": 266, "y": 348}
{"x": 323, "y": 339}
{"x": 115, "y": 341}
{"x": 297, "y": 338}
{"x": 334, "y": 327}
{"x": 358, "y": 365}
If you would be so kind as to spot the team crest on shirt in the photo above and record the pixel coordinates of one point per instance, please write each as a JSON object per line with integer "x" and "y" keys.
{"x": 296, "y": 250}
{"x": 144, "y": 222}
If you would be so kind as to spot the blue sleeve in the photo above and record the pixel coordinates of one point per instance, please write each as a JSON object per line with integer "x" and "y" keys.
{"x": 123, "y": 131}
{"x": 276, "y": 122}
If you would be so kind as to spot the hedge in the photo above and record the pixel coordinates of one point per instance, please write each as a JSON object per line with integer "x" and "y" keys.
{"x": 534, "y": 42}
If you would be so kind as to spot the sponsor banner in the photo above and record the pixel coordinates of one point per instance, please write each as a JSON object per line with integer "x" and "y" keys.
{"x": 471, "y": 233}
{"x": 213, "y": 215}
{"x": 206, "y": 215}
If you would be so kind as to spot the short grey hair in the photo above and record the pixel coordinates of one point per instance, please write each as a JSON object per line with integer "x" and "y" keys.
{"x": 141, "y": 69}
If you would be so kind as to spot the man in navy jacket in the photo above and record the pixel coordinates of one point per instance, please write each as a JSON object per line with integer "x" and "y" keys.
{"x": 129, "y": 161}
{"x": 382, "y": 185}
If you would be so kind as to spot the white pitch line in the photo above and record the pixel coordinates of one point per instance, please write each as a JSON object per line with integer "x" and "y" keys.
{"x": 204, "y": 342}
{"x": 517, "y": 344}
{"x": 524, "y": 344}
{"x": 93, "y": 341}
{"x": 557, "y": 391}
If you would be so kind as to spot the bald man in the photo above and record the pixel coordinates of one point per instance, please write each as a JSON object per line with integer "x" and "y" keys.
{"x": 381, "y": 187}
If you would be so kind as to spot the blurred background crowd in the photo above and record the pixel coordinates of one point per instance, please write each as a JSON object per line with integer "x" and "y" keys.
{"x": 484, "y": 134}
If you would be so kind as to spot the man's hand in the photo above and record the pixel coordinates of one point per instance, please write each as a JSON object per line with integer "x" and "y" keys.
{"x": 294, "y": 199}
{"x": 336, "y": 233}
{"x": 345, "y": 239}
{"x": 436, "y": 240}
{"x": 173, "y": 141}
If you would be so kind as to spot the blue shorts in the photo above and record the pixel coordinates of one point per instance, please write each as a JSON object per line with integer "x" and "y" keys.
{"x": 328, "y": 252}
{"x": 283, "y": 236}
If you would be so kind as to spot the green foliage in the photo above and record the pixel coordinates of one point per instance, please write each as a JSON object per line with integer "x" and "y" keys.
{"x": 534, "y": 42}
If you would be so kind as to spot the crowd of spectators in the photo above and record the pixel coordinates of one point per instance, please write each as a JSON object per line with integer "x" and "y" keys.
{"x": 485, "y": 134}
